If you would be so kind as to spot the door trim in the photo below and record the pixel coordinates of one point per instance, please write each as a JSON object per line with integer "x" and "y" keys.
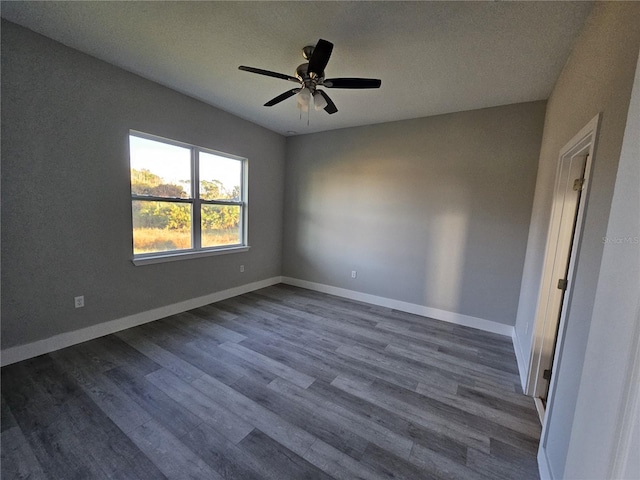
{"x": 545, "y": 326}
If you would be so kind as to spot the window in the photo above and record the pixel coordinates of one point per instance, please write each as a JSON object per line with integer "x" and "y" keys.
{"x": 185, "y": 200}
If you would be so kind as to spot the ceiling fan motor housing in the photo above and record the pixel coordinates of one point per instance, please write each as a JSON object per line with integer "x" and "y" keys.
{"x": 308, "y": 51}
{"x": 310, "y": 81}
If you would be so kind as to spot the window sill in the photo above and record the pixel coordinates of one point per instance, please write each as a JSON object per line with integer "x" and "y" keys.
{"x": 174, "y": 257}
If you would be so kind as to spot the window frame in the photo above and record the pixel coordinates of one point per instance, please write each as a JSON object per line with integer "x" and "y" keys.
{"x": 196, "y": 250}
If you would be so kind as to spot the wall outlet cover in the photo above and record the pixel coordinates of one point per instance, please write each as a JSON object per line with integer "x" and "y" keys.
{"x": 79, "y": 301}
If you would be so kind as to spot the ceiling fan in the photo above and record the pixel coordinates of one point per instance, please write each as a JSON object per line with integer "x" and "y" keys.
{"x": 311, "y": 76}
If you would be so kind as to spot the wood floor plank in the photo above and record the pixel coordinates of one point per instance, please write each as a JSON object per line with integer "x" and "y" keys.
{"x": 450, "y": 364}
{"x": 293, "y": 355}
{"x": 310, "y": 416}
{"x": 240, "y": 366}
{"x": 195, "y": 325}
{"x": 201, "y": 358}
{"x": 230, "y": 461}
{"x": 213, "y": 313}
{"x": 288, "y": 327}
{"x": 345, "y": 332}
{"x": 369, "y": 367}
{"x": 443, "y": 341}
{"x": 220, "y": 418}
{"x": 447, "y": 335}
{"x": 110, "y": 351}
{"x": 314, "y": 450}
{"x": 63, "y": 426}
{"x": 7, "y": 420}
{"x": 289, "y": 435}
{"x": 280, "y": 383}
{"x": 509, "y": 402}
{"x": 279, "y": 462}
{"x": 183, "y": 369}
{"x": 290, "y": 331}
{"x": 162, "y": 408}
{"x": 17, "y": 459}
{"x": 317, "y": 360}
{"x": 459, "y": 418}
{"x": 170, "y": 455}
{"x": 387, "y": 463}
{"x": 409, "y": 412}
{"x": 493, "y": 466}
{"x": 437, "y": 466}
{"x": 328, "y": 327}
{"x": 338, "y": 465}
{"x": 505, "y": 418}
{"x": 357, "y": 424}
{"x": 104, "y": 393}
{"x": 364, "y": 412}
{"x": 301, "y": 379}
{"x": 116, "y": 455}
{"x": 61, "y": 454}
{"x": 397, "y": 368}
{"x": 31, "y": 405}
{"x": 318, "y": 309}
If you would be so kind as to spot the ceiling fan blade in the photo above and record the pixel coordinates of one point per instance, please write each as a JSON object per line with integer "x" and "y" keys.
{"x": 352, "y": 83}
{"x": 320, "y": 57}
{"x": 282, "y": 96}
{"x": 331, "y": 107}
{"x": 268, "y": 73}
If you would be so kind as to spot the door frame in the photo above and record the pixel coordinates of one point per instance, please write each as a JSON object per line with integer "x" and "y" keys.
{"x": 547, "y": 324}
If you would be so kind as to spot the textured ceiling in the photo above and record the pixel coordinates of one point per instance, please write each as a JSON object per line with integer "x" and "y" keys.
{"x": 432, "y": 57}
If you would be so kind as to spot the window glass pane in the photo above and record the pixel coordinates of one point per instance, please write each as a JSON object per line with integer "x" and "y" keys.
{"x": 159, "y": 169}
{"x": 220, "y": 177}
{"x": 160, "y": 226}
{"x": 220, "y": 225}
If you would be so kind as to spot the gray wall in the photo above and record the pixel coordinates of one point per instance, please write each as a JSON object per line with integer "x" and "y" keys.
{"x": 66, "y": 213}
{"x": 597, "y": 78}
{"x": 609, "y": 356}
{"x": 433, "y": 211}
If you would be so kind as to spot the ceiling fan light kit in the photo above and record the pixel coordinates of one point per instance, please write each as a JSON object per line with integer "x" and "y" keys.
{"x": 304, "y": 98}
{"x": 319, "y": 102}
{"x": 311, "y": 76}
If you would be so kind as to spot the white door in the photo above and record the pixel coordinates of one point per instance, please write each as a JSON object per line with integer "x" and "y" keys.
{"x": 567, "y": 197}
{"x": 569, "y": 203}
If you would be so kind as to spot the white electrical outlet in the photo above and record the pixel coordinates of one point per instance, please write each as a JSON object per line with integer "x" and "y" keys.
{"x": 79, "y": 301}
{"x": 241, "y": 268}
{"x": 354, "y": 274}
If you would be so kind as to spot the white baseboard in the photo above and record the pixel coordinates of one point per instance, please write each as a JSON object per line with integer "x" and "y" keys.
{"x": 435, "y": 313}
{"x": 520, "y": 360}
{"x": 40, "y": 347}
{"x": 543, "y": 465}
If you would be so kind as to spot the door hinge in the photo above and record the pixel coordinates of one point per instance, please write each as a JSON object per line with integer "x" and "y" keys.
{"x": 562, "y": 284}
{"x": 578, "y": 183}
{"x": 546, "y": 374}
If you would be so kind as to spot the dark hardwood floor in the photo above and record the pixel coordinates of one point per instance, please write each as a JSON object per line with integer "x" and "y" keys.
{"x": 282, "y": 383}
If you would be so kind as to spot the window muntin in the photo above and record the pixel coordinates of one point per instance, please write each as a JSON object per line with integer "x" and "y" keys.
{"x": 184, "y": 199}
